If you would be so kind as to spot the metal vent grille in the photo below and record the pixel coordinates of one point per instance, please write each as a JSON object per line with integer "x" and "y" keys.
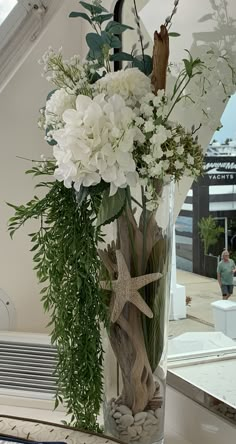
{"x": 28, "y": 367}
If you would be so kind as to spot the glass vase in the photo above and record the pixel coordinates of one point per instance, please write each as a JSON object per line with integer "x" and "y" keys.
{"x": 138, "y": 259}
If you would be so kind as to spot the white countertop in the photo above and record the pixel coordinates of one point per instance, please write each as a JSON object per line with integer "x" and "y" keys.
{"x": 54, "y": 416}
{"x": 216, "y": 378}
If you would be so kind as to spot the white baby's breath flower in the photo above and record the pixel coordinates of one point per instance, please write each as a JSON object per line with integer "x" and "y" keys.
{"x": 143, "y": 180}
{"x": 149, "y": 126}
{"x": 158, "y": 98}
{"x": 165, "y": 165}
{"x": 147, "y": 158}
{"x": 187, "y": 172}
{"x": 139, "y": 136}
{"x": 148, "y": 98}
{"x": 177, "y": 138}
{"x": 180, "y": 150}
{"x": 156, "y": 170}
{"x": 146, "y": 110}
{"x": 157, "y": 152}
{"x": 190, "y": 159}
{"x": 178, "y": 165}
{"x": 139, "y": 121}
{"x": 169, "y": 153}
{"x": 161, "y": 135}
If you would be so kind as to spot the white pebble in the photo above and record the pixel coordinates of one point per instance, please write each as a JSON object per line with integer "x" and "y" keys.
{"x": 140, "y": 422}
{"x": 139, "y": 416}
{"x": 138, "y": 429}
{"x": 151, "y": 418}
{"x": 124, "y": 410}
{"x": 124, "y": 433}
{"x": 132, "y": 431}
{"x": 135, "y": 438}
{"x": 126, "y": 420}
{"x": 148, "y": 427}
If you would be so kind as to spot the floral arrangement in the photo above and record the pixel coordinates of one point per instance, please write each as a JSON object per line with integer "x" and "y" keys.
{"x": 110, "y": 133}
{"x": 122, "y": 125}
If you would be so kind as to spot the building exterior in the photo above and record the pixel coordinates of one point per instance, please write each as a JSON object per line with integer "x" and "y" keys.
{"x": 213, "y": 194}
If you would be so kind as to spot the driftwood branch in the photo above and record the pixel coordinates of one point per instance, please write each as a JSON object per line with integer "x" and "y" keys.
{"x": 160, "y": 59}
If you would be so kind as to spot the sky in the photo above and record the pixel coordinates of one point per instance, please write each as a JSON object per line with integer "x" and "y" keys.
{"x": 5, "y": 7}
{"x": 228, "y": 121}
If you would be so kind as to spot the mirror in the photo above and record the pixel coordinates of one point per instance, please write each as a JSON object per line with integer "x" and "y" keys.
{"x": 203, "y": 26}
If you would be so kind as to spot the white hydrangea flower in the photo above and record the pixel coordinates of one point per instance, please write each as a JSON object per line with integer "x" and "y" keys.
{"x": 59, "y": 101}
{"x": 96, "y": 143}
{"x": 131, "y": 84}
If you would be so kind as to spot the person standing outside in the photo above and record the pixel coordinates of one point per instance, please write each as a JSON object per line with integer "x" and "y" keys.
{"x": 225, "y": 274}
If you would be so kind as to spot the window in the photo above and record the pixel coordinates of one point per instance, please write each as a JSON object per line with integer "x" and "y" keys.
{"x": 21, "y": 21}
{"x": 5, "y": 8}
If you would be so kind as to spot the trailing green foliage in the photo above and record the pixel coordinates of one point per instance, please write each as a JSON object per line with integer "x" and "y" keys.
{"x": 66, "y": 261}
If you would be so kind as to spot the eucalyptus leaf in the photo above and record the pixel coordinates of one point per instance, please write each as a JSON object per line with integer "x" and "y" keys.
{"x": 94, "y": 41}
{"x": 111, "y": 206}
{"x": 143, "y": 64}
{"x": 106, "y": 38}
{"x": 80, "y": 14}
{"x": 174, "y": 34}
{"x": 102, "y": 18}
{"x": 115, "y": 42}
{"x": 94, "y": 55}
{"x": 116, "y": 28}
{"x": 121, "y": 56}
{"x": 94, "y": 9}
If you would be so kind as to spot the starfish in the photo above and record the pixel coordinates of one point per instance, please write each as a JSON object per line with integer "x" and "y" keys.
{"x": 125, "y": 289}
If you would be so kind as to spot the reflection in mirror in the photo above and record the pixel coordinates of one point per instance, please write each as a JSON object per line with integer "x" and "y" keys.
{"x": 202, "y": 335}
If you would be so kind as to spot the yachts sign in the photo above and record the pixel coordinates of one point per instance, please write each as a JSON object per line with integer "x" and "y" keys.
{"x": 219, "y": 170}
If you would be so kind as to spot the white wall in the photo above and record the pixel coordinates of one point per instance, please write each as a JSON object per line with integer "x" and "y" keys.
{"x": 20, "y": 136}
